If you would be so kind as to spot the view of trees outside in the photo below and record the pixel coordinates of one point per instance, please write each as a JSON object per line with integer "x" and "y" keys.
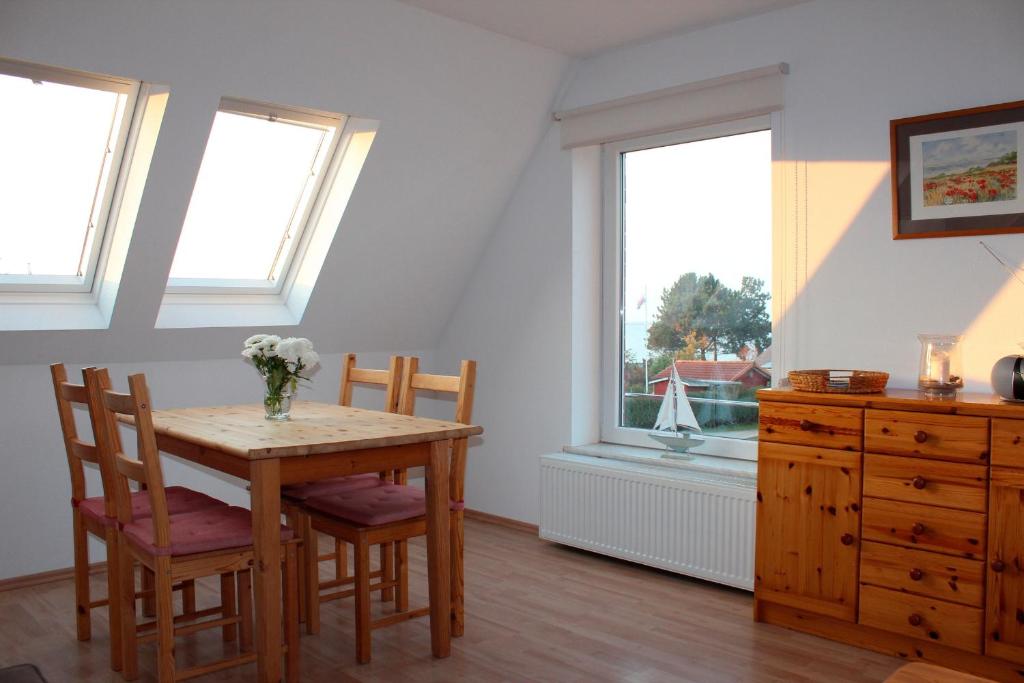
{"x": 696, "y": 279}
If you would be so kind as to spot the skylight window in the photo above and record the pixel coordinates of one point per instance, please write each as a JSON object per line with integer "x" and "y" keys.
{"x": 63, "y": 136}
{"x": 258, "y": 188}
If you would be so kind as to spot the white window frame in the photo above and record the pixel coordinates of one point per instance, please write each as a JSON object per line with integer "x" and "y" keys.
{"x": 105, "y": 207}
{"x": 223, "y": 290}
{"x": 612, "y": 310}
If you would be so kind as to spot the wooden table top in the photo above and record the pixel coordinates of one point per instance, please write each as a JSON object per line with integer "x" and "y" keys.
{"x": 314, "y": 428}
{"x": 963, "y": 403}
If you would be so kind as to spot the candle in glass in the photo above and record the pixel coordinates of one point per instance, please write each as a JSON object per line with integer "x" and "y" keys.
{"x": 940, "y": 373}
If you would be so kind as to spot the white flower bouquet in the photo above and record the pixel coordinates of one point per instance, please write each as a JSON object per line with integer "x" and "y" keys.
{"x": 282, "y": 363}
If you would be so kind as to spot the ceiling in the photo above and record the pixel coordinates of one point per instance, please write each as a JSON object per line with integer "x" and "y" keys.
{"x": 584, "y": 27}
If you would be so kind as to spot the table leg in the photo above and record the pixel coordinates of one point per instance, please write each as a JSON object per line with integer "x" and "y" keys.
{"x": 438, "y": 550}
{"x": 265, "y": 476}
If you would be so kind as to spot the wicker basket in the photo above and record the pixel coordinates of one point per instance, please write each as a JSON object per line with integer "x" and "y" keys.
{"x": 839, "y": 381}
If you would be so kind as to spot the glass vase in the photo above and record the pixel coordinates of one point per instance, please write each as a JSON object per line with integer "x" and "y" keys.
{"x": 277, "y": 399}
{"x": 940, "y": 373}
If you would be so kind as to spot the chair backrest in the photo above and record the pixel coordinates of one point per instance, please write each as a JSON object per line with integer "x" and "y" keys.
{"x": 146, "y": 469}
{"x": 389, "y": 379}
{"x": 463, "y": 386}
{"x": 77, "y": 451}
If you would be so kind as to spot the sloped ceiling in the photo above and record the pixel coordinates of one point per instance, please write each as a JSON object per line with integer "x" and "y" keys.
{"x": 584, "y": 27}
{"x": 461, "y": 109}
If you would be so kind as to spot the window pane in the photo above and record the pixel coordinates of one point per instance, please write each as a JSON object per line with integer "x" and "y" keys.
{"x": 696, "y": 263}
{"x": 54, "y": 172}
{"x": 254, "y": 186}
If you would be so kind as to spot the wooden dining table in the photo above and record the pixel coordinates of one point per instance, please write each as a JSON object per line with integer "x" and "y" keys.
{"x": 320, "y": 441}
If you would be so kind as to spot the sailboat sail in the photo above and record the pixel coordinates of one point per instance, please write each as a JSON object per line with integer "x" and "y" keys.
{"x": 675, "y": 409}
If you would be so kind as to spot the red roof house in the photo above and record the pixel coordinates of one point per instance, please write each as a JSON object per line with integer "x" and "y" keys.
{"x": 703, "y": 372}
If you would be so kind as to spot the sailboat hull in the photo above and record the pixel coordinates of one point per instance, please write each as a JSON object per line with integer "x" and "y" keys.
{"x": 680, "y": 443}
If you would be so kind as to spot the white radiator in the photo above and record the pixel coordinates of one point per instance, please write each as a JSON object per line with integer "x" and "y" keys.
{"x": 684, "y": 521}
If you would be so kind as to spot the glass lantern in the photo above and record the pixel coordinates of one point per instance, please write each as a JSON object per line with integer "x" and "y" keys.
{"x": 941, "y": 368}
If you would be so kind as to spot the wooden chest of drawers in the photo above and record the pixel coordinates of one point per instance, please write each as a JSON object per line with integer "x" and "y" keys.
{"x": 895, "y": 522}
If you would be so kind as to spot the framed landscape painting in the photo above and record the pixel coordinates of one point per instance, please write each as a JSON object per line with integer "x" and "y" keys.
{"x": 957, "y": 173}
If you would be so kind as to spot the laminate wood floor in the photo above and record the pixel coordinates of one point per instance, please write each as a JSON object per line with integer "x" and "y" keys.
{"x": 534, "y": 612}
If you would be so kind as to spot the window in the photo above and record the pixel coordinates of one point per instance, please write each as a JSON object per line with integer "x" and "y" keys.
{"x": 257, "y": 189}
{"x": 268, "y": 200}
{"x": 64, "y": 137}
{"x": 688, "y": 281}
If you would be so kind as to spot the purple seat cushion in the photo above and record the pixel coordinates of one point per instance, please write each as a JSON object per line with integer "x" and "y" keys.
{"x": 179, "y": 500}
{"x": 218, "y": 528}
{"x": 326, "y": 487}
{"x": 382, "y": 504}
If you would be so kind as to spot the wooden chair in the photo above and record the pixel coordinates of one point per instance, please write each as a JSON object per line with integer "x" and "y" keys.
{"x": 294, "y": 495}
{"x": 214, "y": 541}
{"x": 396, "y": 512}
{"x": 98, "y": 515}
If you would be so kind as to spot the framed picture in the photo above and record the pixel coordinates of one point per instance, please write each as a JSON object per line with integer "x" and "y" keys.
{"x": 957, "y": 173}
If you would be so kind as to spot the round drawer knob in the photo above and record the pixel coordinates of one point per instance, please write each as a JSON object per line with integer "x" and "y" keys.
{"x": 920, "y": 436}
{"x": 806, "y": 425}
{"x": 998, "y": 566}
{"x": 915, "y": 620}
{"x": 846, "y": 539}
{"x": 916, "y": 574}
{"x": 919, "y": 482}
{"x": 917, "y": 529}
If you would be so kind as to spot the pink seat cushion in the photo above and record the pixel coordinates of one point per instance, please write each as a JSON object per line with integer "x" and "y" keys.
{"x": 179, "y": 500}
{"x": 327, "y": 487}
{"x": 204, "y": 531}
{"x": 382, "y": 504}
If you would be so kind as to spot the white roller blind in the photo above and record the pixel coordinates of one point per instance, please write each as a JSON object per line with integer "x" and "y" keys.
{"x": 736, "y": 96}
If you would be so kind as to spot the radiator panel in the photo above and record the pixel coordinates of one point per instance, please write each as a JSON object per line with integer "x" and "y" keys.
{"x": 680, "y": 521}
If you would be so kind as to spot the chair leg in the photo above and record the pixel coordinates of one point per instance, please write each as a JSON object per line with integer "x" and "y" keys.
{"x": 129, "y": 643}
{"x": 291, "y": 613}
{"x": 164, "y": 621}
{"x": 457, "y": 536}
{"x": 311, "y": 566}
{"x": 340, "y": 559}
{"x": 148, "y": 600}
{"x": 363, "y": 634}
{"x": 113, "y": 598}
{"x": 387, "y": 570}
{"x": 228, "y": 605}
{"x": 293, "y": 517}
{"x": 402, "y": 576}
{"x": 245, "y": 610}
{"x": 188, "y": 597}
{"x": 83, "y": 620}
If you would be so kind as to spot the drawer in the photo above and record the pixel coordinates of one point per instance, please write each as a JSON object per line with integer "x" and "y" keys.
{"x": 931, "y": 482}
{"x": 956, "y": 438}
{"x": 1008, "y": 443}
{"x": 822, "y": 426}
{"x": 932, "y": 575}
{"x": 955, "y": 532}
{"x": 956, "y": 626}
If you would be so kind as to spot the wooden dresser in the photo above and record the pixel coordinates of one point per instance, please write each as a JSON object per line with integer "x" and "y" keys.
{"x": 895, "y": 522}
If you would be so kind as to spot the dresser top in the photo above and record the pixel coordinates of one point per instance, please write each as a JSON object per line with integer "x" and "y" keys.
{"x": 964, "y": 403}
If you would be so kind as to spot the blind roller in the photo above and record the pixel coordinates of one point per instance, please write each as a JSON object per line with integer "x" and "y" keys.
{"x": 736, "y": 96}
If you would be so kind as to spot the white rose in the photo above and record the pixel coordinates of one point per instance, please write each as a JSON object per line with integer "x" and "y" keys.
{"x": 255, "y": 339}
{"x": 311, "y": 359}
{"x": 268, "y": 345}
{"x": 248, "y": 352}
{"x": 290, "y": 350}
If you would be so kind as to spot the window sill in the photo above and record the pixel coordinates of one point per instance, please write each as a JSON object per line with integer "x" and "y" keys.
{"x": 63, "y": 314}
{"x": 716, "y": 466}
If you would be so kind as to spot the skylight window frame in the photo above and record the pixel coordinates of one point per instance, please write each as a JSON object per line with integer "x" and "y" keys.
{"x": 225, "y": 290}
{"x": 105, "y": 207}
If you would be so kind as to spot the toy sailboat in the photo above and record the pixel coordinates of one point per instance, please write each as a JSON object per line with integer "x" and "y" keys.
{"x": 676, "y": 423}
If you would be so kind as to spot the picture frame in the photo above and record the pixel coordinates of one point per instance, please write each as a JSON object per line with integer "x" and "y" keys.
{"x": 957, "y": 173}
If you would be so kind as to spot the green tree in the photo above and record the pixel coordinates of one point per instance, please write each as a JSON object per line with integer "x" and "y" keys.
{"x": 699, "y": 316}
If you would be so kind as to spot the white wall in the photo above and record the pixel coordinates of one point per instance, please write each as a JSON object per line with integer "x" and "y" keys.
{"x": 513, "y": 319}
{"x": 856, "y": 64}
{"x": 460, "y": 110}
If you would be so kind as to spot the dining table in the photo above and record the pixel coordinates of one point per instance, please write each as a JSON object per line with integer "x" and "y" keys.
{"x": 319, "y": 441}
